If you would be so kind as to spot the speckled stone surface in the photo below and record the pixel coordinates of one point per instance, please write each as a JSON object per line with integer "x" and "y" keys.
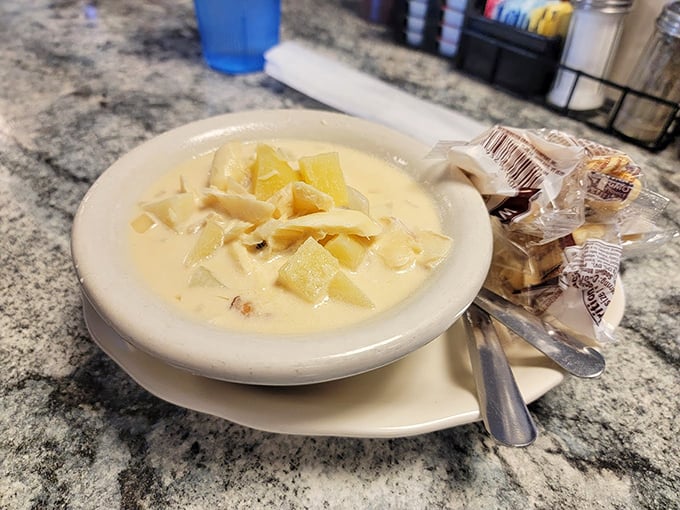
{"x": 80, "y": 85}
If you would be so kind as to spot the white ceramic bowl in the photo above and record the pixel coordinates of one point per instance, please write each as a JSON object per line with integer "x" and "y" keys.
{"x": 102, "y": 261}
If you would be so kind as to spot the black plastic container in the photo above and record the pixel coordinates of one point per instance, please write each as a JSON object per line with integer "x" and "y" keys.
{"x": 524, "y": 64}
{"x": 518, "y": 61}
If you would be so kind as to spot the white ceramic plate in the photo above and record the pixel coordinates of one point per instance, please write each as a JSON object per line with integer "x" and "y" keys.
{"x": 109, "y": 280}
{"x": 430, "y": 389}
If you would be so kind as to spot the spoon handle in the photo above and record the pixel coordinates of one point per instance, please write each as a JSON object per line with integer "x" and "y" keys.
{"x": 567, "y": 351}
{"x": 501, "y": 405}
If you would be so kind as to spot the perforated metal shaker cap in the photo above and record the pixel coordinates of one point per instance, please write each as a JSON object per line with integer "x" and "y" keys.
{"x": 668, "y": 21}
{"x": 606, "y": 6}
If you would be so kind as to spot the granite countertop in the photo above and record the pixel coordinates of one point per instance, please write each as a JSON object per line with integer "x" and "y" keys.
{"x": 84, "y": 82}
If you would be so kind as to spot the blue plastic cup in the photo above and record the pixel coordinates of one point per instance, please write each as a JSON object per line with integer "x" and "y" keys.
{"x": 236, "y": 33}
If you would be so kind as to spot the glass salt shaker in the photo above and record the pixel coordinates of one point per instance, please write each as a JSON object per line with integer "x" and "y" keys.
{"x": 656, "y": 73}
{"x": 591, "y": 43}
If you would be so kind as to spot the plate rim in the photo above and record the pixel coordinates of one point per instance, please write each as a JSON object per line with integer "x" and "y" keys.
{"x": 209, "y": 402}
{"x": 98, "y": 328}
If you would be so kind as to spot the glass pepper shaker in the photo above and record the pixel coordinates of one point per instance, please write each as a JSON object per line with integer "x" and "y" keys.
{"x": 591, "y": 43}
{"x": 656, "y": 73}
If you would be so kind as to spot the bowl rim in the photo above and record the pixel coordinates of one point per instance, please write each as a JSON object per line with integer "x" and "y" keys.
{"x": 154, "y": 326}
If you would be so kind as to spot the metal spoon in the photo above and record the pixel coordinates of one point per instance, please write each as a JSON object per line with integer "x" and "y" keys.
{"x": 501, "y": 405}
{"x": 567, "y": 351}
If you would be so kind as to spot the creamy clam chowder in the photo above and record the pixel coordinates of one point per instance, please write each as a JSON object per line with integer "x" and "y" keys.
{"x": 285, "y": 236}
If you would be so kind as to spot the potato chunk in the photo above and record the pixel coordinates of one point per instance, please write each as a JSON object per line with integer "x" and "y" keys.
{"x": 323, "y": 171}
{"x": 142, "y": 223}
{"x": 308, "y": 199}
{"x": 344, "y": 289}
{"x": 270, "y": 172}
{"x": 209, "y": 240}
{"x": 309, "y": 271}
{"x": 229, "y": 163}
{"x": 174, "y": 210}
{"x": 347, "y": 249}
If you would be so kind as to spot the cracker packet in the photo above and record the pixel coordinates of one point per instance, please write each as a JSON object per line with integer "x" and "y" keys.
{"x": 564, "y": 212}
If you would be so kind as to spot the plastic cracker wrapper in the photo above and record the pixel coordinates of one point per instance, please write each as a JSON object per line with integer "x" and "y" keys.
{"x": 564, "y": 211}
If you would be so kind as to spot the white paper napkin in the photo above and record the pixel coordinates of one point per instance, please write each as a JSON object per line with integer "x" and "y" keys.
{"x": 353, "y": 92}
